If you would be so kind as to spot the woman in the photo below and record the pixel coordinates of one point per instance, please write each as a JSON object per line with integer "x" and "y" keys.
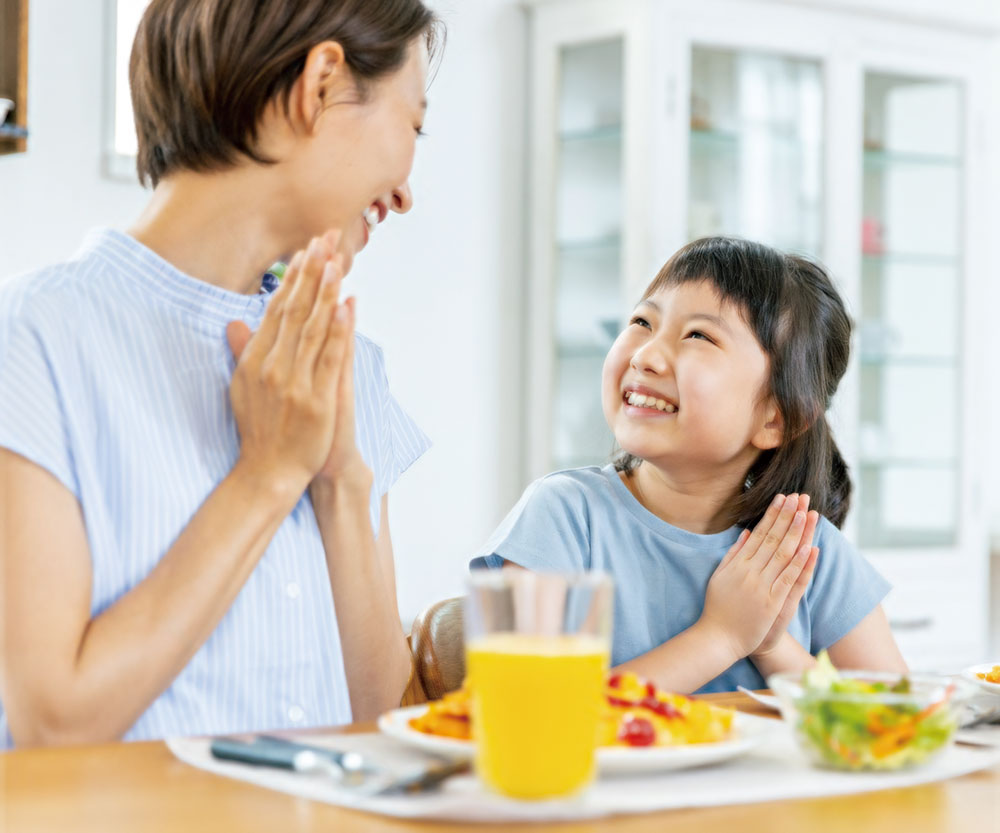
{"x": 193, "y": 533}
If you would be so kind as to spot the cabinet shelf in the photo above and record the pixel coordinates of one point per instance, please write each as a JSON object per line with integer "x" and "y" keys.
{"x": 582, "y": 350}
{"x": 948, "y": 463}
{"x": 883, "y": 360}
{"x": 605, "y": 133}
{"x": 608, "y": 244}
{"x": 711, "y": 139}
{"x": 910, "y": 259}
{"x": 879, "y": 159}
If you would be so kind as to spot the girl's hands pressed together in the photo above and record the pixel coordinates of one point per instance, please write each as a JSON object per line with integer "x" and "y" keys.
{"x": 810, "y": 554}
{"x": 287, "y": 390}
{"x": 756, "y": 588}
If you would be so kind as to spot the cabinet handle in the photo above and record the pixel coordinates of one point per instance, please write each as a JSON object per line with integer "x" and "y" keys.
{"x": 921, "y": 624}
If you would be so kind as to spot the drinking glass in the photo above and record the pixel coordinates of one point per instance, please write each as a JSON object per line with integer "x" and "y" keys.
{"x": 537, "y": 648}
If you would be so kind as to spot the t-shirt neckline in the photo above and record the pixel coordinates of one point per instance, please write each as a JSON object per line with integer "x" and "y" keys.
{"x": 694, "y": 540}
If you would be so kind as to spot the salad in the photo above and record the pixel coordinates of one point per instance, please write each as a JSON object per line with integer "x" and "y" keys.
{"x": 853, "y": 723}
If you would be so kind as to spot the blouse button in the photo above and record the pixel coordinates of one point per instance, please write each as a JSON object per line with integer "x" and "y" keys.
{"x": 295, "y": 714}
{"x": 292, "y": 590}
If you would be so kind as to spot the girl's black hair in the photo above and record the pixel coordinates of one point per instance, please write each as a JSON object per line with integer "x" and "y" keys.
{"x": 799, "y": 319}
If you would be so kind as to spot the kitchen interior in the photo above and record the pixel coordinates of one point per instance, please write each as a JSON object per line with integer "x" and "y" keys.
{"x": 593, "y": 139}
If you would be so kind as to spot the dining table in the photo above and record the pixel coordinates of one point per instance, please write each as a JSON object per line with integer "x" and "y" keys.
{"x": 141, "y": 787}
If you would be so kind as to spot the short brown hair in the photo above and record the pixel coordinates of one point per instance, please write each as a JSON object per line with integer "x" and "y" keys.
{"x": 202, "y": 72}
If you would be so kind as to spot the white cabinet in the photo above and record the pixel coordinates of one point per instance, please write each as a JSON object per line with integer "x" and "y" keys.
{"x": 860, "y": 139}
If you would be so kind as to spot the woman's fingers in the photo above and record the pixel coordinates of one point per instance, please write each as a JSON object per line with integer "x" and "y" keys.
{"x": 330, "y": 361}
{"x": 345, "y": 397}
{"x": 263, "y": 340}
{"x": 317, "y": 325}
{"x": 297, "y": 306}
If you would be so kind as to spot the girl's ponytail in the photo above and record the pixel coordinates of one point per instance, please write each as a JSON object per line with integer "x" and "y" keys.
{"x": 838, "y": 497}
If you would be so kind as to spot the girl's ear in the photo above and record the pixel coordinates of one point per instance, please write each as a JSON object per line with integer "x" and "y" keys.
{"x": 325, "y": 80}
{"x": 772, "y": 432}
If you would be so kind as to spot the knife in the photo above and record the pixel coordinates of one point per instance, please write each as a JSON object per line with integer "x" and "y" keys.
{"x": 348, "y": 768}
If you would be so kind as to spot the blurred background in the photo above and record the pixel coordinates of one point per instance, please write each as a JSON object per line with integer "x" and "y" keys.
{"x": 572, "y": 146}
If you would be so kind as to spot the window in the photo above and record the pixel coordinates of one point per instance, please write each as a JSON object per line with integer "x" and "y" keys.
{"x": 125, "y": 16}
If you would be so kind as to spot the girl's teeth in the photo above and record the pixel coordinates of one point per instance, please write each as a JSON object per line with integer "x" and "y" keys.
{"x": 371, "y": 217}
{"x": 640, "y": 400}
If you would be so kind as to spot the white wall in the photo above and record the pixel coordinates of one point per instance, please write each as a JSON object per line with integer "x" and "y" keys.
{"x": 439, "y": 288}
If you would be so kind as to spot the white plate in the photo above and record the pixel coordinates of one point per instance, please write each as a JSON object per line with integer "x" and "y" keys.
{"x": 748, "y": 731}
{"x": 767, "y": 700}
{"x": 970, "y": 674}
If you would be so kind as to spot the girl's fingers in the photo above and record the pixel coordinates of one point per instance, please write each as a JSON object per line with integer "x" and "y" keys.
{"x": 786, "y": 550}
{"x": 735, "y": 548}
{"x": 809, "y": 531}
{"x": 772, "y": 538}
{"x": 795, "y": 577}
{"x": 763, "y": 527}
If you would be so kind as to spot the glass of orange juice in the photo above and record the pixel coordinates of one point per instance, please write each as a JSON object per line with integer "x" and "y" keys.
{"x": 537, "y": 648}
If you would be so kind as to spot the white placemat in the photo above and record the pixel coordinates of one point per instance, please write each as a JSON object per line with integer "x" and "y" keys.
{"x": 775, "y": 770}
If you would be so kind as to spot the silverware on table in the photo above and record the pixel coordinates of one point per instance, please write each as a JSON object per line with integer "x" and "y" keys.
{"x": 981, "y": 716}
{"x": 350, "y": 769}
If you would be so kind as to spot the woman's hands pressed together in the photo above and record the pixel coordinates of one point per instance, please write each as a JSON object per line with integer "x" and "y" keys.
{"x": 755, "y": 591}
{"x": 292, "y": 390}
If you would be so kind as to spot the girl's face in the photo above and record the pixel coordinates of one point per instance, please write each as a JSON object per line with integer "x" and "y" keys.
{"x": 685, "y": 384}
{"x": 356, "y": 165}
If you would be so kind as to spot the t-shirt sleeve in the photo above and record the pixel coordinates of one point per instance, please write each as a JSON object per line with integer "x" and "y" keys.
{"x": 844, "y": 590}
{"x": 546, "y": 531}
{"x": 33, "y": 417}
{"x": 401, "y": 442}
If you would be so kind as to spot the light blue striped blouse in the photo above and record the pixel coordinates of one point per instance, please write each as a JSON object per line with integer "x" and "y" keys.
{"x": 114, "y": 376}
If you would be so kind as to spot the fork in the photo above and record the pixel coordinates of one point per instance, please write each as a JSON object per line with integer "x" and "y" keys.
{"x": 983, "y": 717}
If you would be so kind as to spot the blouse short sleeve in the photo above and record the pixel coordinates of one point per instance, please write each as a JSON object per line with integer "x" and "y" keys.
{"x": 33, "y": 418}
{"x": 399, "y": 441}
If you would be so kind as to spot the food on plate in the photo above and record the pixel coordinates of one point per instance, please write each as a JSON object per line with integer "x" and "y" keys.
{"x": 991, "y": 676}
{"x": 635, "y": 714}
{"x": 862, "y": 721}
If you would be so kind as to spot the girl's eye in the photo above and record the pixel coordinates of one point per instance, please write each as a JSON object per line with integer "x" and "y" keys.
{"x": 642, "y": 322}
{"x": 419, "y": 131}
{"x": 699, "y": 334}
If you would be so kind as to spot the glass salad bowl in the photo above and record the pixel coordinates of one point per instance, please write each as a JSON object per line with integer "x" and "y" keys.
{"x": 867, "y": 720}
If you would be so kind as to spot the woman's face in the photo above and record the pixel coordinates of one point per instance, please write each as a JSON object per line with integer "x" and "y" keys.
{"x": 355, "y": 167}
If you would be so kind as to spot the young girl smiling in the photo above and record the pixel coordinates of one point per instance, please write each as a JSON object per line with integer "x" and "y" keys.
{"x": 716, "y": 392}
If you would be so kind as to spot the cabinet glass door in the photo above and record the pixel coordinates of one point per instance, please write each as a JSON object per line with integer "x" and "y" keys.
{"x": 588, "y": 246}
{"x": 755, "y": 157}
{"x": 911, "y": 297}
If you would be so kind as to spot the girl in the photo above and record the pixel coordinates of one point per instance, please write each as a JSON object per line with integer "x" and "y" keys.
{"x": 716, "y": 392}
{"x": 192, "y": 544}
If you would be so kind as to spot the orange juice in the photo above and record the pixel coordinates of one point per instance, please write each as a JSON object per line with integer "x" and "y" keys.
{"x": 535, "y": 711}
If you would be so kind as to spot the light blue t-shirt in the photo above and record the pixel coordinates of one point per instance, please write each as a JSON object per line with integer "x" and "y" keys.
{"x": 587, "y": 519}
{"x": 114, "y": 376}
